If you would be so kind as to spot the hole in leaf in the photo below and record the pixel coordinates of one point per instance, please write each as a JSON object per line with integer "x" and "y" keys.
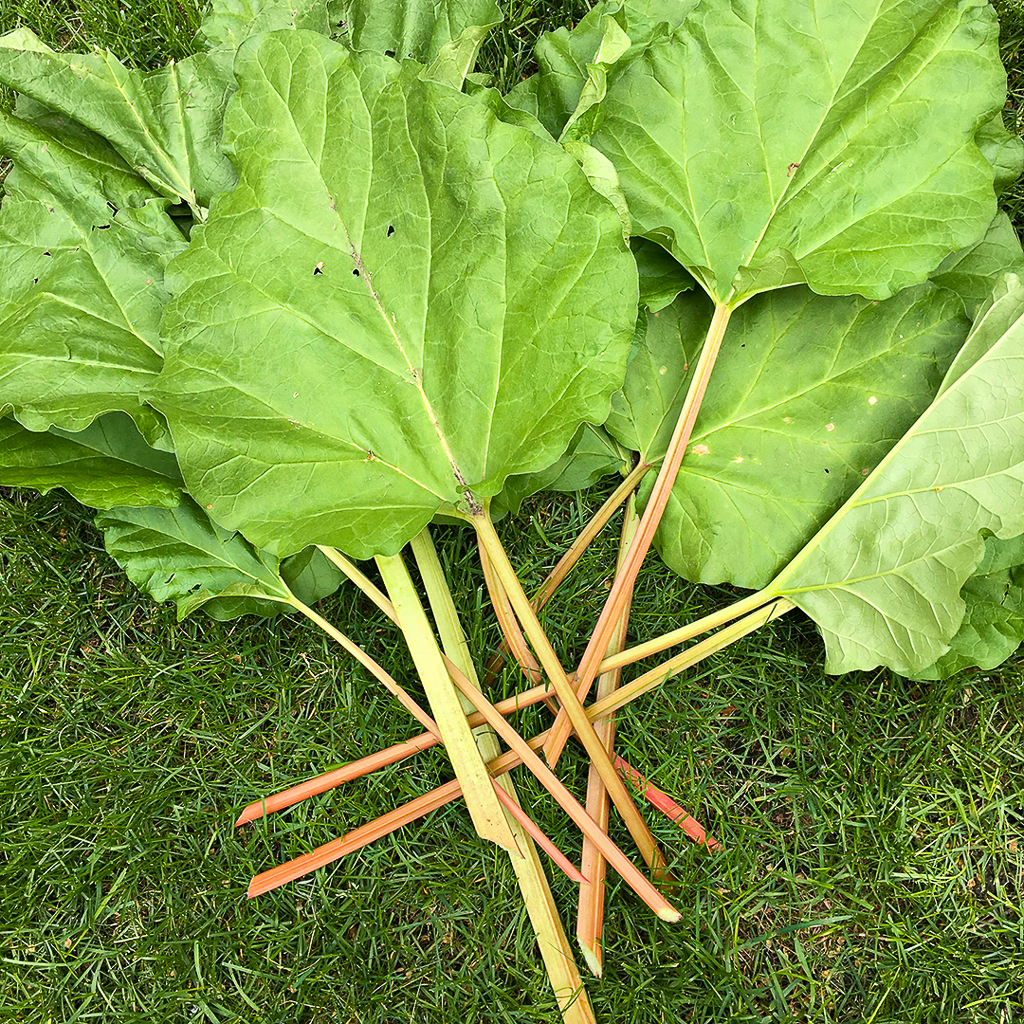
{"x": 826, "y": 470}
{"x": 47, "y": 253}
{"x": 113, "y": 208}
{"x": 389, "y": 53}
{"x": 355, "y": 272}
{"x": 391, "y": 230}
{"x": 319, "y": 268}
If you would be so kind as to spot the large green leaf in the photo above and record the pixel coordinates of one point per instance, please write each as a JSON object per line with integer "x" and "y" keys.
{"x": 404, "y": 302}
{"x": 310, "y": 575}
{"x": 457, "y": 58}
{"x": 178, "y": 554}
{"x": 165, "y": 124}
{"x": 566, "y": 56}
{"x": 83, "y": 245}
{"x": 413, "y": 28}
{"x": 591, "y": 456}
{"x": 228, "y": 23}
{"x": 1005, "y": 152}
{"x": 809, "y": 396}
{"x": 882, "y": 578}
{"x": 767, "y": 143}
{"x": 107, "y": 464}
{"x": 970, "y": 271}
{"x": 87, "y": 226}
{"x": 993, "y": 624}
{"x": 552, "y": 93}
{"x": 662, "y": 278}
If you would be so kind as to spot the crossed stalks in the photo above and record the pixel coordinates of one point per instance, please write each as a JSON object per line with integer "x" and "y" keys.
{"x": 472, "y": 728}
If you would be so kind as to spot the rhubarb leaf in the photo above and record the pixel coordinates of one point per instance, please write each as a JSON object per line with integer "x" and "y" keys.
{"x": 993, "y": 624}
{"x": 662, "y": 277}
{"x": 404, "y": 302}
{"x": 311, "y": 575}
{"x": 970, "y": 271}
{"x": 83, "y": 244}
{"x": 165, "y": 123}
{"x": 87, "y": 225}
{"x": 882, "y": 578}
{"x": 176, "y": 553}
{"x": 565, "y": 56}
{"x": 179, "y": 554}
{"x": 552, "y": 94}
{"x": 106, "y": 464}
{"x": 456, "y": 59}
{"x": 229, "y": 23}
{"x": 413, "y": 28}
{"x": 810, "y": 395}
{"x": 771, "y": 144}
{"x": 1005, "y": 152}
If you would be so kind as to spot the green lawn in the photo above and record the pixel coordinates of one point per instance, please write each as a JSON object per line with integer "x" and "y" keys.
{"x": 873, "y": 827}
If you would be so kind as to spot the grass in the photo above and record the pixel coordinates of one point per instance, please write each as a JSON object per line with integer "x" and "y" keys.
{"x": 872, "y": 826}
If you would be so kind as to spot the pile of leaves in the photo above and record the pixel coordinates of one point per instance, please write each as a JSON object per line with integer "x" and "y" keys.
{"x": 275, "y": 309}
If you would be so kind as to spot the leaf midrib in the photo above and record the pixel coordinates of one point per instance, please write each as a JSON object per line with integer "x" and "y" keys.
{"x": 365, "y": 276}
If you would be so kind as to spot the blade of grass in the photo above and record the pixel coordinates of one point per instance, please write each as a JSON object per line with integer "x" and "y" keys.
{"x": 625, "y": 578}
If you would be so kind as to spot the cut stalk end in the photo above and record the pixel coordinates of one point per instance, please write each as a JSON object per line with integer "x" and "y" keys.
{"x": 251, "y": 813}
{"x": 593, "y": 958}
